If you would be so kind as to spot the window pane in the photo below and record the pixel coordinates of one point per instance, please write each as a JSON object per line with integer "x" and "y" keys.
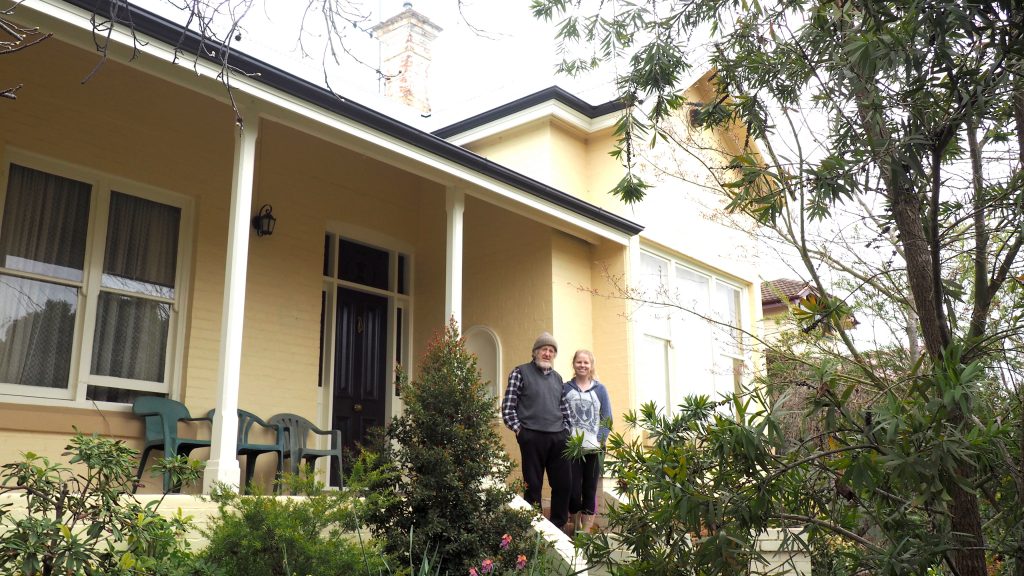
{"x": 122, "y": 395}
{"x": 727, "y": 309}
{"x": 37, "y": 332}
{"x": 46, "y": 218}
{"x": 696, "y": 344}
{"x": 131, "y": 338}
{"x": 654, "y": 353}
{"x": 363, "y": 265}
{"x": 693, "y": 291}
{"x": 655, "y": 316}
{"x": 142, "y": 246}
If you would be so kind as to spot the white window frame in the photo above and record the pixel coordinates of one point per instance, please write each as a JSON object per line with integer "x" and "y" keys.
{"x": 89, "y": 288}
{"x": 671, "y": 330}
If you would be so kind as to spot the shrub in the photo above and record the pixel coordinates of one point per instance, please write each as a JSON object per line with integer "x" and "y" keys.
{"x": 84, "y": 520}
{"x": 447, "y": 498}
{"x": 265, "y": 536}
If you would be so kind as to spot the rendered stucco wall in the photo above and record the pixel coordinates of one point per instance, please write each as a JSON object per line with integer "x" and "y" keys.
{"x": 570, "y": 288}
{"x": 612, "y": 349}
{"x": 183, "y": 143}
{"x": 508, "y": 280}
{"x": 175, "y": 140}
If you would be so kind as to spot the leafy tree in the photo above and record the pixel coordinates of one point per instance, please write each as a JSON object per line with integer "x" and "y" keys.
{"x": 447, "y": 499}
{"x": 905, "y": 120}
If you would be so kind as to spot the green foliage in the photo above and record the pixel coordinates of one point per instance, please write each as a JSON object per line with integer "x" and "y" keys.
{"x": 882, "y": 141}
{"x": 439, "y": 486}
{"x": 266, "y": 536}
{"x": 82, "y": 519}
{"x": 869, "y": 491}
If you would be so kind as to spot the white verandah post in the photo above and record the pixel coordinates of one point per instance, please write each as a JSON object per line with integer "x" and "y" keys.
{"x": 455, "y": 205}
{"x": 222, "y": 465}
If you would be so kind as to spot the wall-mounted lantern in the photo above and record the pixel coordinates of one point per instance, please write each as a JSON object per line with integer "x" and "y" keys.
{"x": 264, "y": 221}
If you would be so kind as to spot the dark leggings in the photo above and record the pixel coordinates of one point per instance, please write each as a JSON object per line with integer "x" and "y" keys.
{"x": 585, "y": 474}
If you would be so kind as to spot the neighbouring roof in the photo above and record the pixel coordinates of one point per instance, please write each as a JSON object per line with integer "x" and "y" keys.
{"x": 148, "y": 24}
{"x": 773, "y": 292}
{"x": 553, "y": 93}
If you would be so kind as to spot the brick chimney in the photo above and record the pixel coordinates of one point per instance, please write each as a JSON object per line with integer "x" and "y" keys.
{"x": 405, "y": 56}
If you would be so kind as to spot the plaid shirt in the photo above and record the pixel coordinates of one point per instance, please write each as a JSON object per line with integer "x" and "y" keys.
{"x": 510, "y": 403}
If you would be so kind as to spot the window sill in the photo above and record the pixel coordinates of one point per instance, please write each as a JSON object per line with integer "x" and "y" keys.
{"x": 89, "y": 419}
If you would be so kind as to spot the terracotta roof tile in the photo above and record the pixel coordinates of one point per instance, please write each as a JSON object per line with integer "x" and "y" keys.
{"x": 788, "y": 288}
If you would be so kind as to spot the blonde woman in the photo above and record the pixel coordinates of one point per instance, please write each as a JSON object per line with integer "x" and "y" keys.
{"x": 590, "y": 414}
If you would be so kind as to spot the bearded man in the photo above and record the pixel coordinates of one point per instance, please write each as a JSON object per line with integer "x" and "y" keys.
{"x": 535, "y": 409}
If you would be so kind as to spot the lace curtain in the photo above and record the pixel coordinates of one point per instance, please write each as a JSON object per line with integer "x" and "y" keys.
{"x": 43, "y": 232}
{"x": 42, "y": 263}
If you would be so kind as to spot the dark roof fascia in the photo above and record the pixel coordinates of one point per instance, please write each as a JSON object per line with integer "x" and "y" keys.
{"x": 146, "y": 23}
{"x": 525, "y": 103}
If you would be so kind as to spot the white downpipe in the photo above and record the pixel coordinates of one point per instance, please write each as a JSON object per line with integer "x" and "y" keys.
{"x": 222, "y": 465}
{"x": 455, "y": 204}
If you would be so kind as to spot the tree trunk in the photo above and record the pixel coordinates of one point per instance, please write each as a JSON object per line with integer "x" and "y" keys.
{"x": 907, "y": 215}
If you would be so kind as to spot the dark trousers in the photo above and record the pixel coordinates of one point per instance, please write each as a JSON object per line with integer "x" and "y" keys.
{"x": 583, "y": 486}
{"x": 542, "y": 452}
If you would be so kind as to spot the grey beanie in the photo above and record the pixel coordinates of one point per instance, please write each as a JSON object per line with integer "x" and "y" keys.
{"x": 545, "y": 339}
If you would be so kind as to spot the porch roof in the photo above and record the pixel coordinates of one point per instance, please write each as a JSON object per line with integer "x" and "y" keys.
{"x": 147, "y": 24}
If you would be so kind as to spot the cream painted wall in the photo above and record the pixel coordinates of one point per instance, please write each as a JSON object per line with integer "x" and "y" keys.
{"x": 612, "y": 350}
{"x": 508, "y": 283}
{"x": 183, "y": 143}
{"x": 177, "y": 141}
{"x": 526, "y": 149}
{"x": 571, "y": 283}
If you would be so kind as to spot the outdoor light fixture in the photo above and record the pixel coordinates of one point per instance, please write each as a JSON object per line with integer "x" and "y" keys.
{"x": 264, "y": 221}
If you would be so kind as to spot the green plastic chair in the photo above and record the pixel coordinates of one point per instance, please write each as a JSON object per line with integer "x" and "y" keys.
{"x": 161, "y": 417}
{"x": 252, "y": 450}
{"x": 297, "y": 430}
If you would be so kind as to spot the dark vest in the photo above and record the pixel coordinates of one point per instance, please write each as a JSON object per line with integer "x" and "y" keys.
{"x": 539, "y": 401}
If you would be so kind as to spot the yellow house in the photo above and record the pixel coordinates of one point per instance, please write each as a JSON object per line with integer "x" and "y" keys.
{"x": 129, "y": 264}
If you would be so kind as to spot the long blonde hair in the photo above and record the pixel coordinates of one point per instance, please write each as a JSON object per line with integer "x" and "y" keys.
{"x": 593, "y": 362}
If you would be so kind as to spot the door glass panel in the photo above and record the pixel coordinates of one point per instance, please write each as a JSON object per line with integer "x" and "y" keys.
{"x": 142, "y": 246}
{"x": 327, "y": 255}
{"x": 37, "y": 332}
{"x": 402, "y": 273}
{"x": 131, "y": 338}
{"x": 46, "y": 218}
{"x": 363, "y": 265}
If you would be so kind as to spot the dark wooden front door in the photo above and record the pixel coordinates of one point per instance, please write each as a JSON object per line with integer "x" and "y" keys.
{"x": 360, "y": 365}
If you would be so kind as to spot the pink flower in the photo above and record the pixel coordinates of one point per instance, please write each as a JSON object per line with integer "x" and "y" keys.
{"x": 521, "y": 562}
{"x": 505, "y": 541}
{"x": 473, "y": 572}
{"x": 487, "y": 566}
